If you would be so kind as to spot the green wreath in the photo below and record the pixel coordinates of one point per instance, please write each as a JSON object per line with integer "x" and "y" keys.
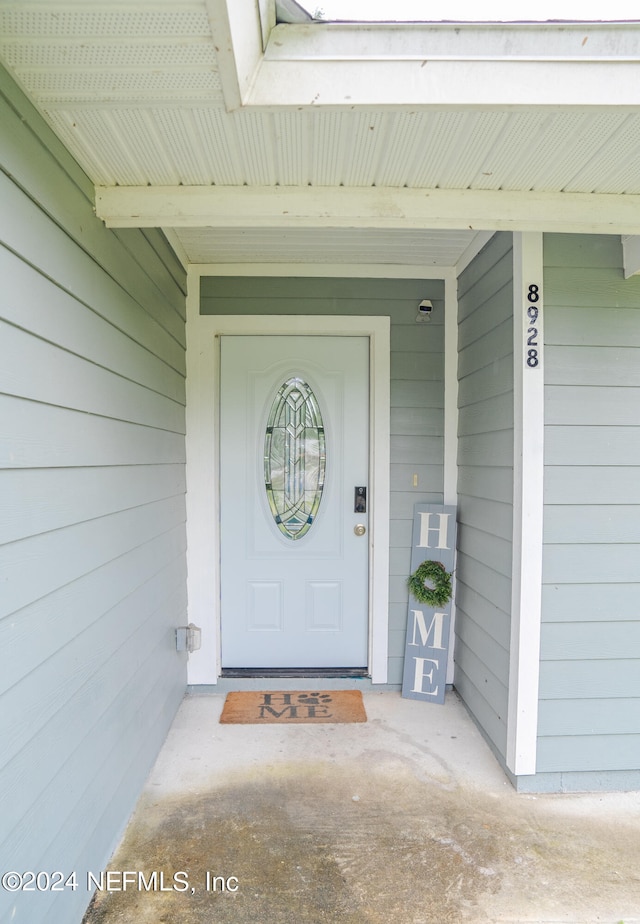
{"x": 436, "y": 573}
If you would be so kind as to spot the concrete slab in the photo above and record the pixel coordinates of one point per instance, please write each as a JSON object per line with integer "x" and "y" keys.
{"x": 406, "y": 819}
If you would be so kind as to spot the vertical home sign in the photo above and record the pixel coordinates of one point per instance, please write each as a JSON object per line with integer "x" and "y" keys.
{"x": 428, "y": 627}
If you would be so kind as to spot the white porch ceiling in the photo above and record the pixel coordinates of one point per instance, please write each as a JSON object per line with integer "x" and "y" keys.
{"x": 134, "y": 91}
{"x": 322, "y": 246}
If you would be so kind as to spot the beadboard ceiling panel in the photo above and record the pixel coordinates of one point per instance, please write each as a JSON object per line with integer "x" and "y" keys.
{"x": 203, "y": 145}
{"x": 339, "y": 246}
{"x": 623, "y": 163}
{"x": 134, "y": 91}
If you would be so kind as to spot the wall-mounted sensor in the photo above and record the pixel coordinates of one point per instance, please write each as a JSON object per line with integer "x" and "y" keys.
{"x": 188, "y": 638}
{"x": 425, "y": 309}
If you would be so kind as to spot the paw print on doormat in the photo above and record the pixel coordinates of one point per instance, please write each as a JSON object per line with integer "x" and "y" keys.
{"x": 314, "y": 699}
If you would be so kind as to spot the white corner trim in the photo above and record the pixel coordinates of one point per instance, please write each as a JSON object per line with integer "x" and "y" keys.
{"x": 631, "y": 255}
{"x": 451, "y": 423}
{"x": 176, "y": 245}
{"x": 451, "y": 389}
{"x": 203, "y": 578}
{"x": 203, "y": 553}
{"x": 528, "y": 498}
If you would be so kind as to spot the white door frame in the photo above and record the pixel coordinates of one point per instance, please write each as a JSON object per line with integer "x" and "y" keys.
{"x": 203, "y": 538}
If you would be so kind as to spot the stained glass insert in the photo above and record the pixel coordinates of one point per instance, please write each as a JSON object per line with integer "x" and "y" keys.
{"x": 294, "y": 458}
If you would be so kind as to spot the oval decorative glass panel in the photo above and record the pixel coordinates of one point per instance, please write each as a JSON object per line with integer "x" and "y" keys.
{"x": 294, "y": 458}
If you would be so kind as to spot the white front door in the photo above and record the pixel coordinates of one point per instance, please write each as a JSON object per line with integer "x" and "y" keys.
{"x": 294, "y": 450}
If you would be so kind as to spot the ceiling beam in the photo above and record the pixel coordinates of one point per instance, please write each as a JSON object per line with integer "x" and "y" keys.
{"x": 365, "y": 207}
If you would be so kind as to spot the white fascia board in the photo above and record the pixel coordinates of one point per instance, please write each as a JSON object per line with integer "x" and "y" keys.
{"x": 336, "y": 64}
{"x": 446, "y": 83}
{"x": 467, "y": 65}
{"x": 370, "y": 207}
{"x": 238, "y": 30}
{"x": 456, "y": 42}
{"x": 631, "y": 255}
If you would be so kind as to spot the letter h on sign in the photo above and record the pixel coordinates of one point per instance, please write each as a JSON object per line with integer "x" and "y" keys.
{"x": 428, "y": 628}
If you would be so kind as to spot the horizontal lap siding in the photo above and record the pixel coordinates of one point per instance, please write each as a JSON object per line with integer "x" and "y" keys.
{"x": 590, "y": 647}
{"x": 92, "y": 524}
{"x": 485, "y": 486}
{"x": 417, "y": 392}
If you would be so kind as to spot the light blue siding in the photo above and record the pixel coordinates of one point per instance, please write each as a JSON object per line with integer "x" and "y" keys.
{"x": 485, "y": 487}
{"x": 589, "y": 727}
{"x": 417, "y": 392}
{"x": 92, "y": 513}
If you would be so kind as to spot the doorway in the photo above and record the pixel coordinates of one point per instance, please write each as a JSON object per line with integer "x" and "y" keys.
{"x": 294, "y": 470}
{"x": 205, "y": 333}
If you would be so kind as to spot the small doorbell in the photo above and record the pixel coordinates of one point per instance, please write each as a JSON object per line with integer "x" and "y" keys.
{"x": 360, "y": 500}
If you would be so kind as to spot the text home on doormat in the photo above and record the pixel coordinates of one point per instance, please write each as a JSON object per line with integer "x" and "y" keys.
{"x": 287, "y": 707}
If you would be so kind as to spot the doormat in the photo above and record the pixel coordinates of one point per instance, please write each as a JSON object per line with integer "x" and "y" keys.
{"x": 311, "y": 706}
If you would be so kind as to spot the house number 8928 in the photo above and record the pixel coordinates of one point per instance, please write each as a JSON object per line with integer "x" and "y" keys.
{"x": 533, "y": 312}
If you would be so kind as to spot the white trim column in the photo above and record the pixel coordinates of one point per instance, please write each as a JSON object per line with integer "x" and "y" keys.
{"x": 203, "y": 579}
{"x": 450, "y": 487}
{"x": 528, "y": 471}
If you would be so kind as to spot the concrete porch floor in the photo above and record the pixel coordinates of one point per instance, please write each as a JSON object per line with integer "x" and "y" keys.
{"x": 406, "y": 819}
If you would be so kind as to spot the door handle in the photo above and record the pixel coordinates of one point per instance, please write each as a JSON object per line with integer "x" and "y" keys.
{"x": 360, "y": 529}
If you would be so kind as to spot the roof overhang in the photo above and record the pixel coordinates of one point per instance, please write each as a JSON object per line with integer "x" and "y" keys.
{"x": 369, "y": 144}
{"x": 382, "y": 64}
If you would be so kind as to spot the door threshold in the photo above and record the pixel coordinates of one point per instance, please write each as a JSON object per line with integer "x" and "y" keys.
{"x": 302, "y": 672}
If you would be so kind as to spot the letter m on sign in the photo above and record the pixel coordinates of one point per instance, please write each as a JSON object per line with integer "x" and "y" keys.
{"x": 420, "y": 629}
